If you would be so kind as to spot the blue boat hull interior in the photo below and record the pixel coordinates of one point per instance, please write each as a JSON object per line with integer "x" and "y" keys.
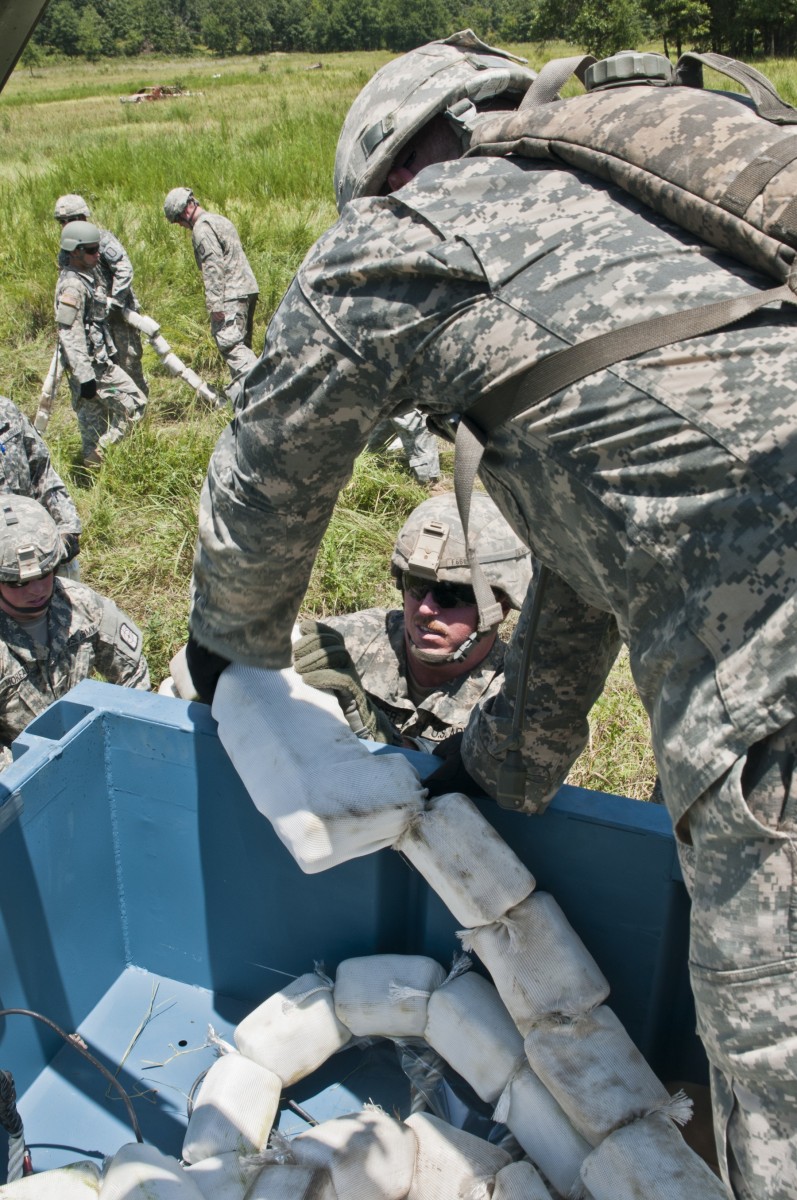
{"x": 143, "y": 898}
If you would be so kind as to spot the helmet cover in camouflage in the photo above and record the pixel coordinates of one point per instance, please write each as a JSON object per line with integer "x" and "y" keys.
{"x": 30, "y": 545}
{"x": 449, "y": 76}
{"x": 71, "y": 208}
{"x": 175, "y": 202}
{"x": 79, "y": 233}
{"x": 432, "y": 543}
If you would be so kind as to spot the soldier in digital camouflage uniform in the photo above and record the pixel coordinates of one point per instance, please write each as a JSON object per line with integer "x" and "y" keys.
{"x": 26, "y": 470}
{"x": 104, "y": 397}
{"x": 659, "y": 492}
{"x": 53, "y": 632}
{"x": 417, "y": 441}
{"x": 231, "y": 289}
{"x": 424, "y": 665}
{"x": 117, "y": 272}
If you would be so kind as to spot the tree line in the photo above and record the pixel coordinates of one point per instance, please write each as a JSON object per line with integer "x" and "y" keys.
{"x": 100, "y": 28}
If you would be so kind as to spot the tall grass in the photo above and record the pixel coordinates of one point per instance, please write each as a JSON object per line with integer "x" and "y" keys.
{"x": 256, "y": 141}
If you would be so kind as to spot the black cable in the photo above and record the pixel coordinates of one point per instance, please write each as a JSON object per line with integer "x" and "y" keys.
{"x": 71, "y": 1041}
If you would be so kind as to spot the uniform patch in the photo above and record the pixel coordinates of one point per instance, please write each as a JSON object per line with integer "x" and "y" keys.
{"x": 128, "y": 636}
{"x": 68, "y": 304}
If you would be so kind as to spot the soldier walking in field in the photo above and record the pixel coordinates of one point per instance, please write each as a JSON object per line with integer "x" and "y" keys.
{"x": 231, "y": 289}
{"x": 104, "y": 397}
{"x": 117, "y": 272}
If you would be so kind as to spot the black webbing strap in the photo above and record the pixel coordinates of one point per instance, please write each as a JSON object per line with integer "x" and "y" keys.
{"x": 568, "y": 366}
{"x": 552, "y": 76}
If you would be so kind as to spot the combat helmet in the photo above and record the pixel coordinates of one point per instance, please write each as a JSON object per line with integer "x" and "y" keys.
{"x": 71, "y": 208}
{"x": 452, "y": 77}
{"x": 30, "y": 545}
{"x": 79, "y": 233}
{"x": 175, "y": 202}
{"x": 431, "y": 544}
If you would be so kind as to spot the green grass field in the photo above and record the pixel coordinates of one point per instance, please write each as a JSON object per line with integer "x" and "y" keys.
{"x": 256, "y": 142}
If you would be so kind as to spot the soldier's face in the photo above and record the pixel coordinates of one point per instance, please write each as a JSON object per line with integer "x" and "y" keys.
{"x": 26, "y": 601}
{"x": 430, "y": 626}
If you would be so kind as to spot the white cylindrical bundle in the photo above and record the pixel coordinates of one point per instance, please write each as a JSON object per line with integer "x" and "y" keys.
{"x": 386, "y": 995}
{"x": 369, "y": 1155}
{"x": 160, "y": 346}
{"x": 328, "y": 798}
{"x": 191, "y": 378}
{"x": 538, "y": 962}
{"x": 77, "y": 1181}
{"x": 234, "y": 1111}
{"x": 468, "y": 864}
{"x": 451, "y": 1164}
{"x": 224, "y": 1176}
{"x": 520, "y": 1181}
{"x": 172, "y": 363}
{"x": 649, "y": 1158}
{"x": 138, "y": 1172}
{"x": 289, "y": 1182}
{"x": 206, "y": 393}
{"x": 595, "y": 1071}
{"x": 147, "y": 325}
{"x": 529, "y": 1110}
{"x": 294, "y": 1031}
{"x": 470, "y": 1027}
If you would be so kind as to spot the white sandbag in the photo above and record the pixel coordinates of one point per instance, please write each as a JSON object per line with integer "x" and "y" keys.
{"x": 469, "y": 1026}
{"x": 530, "y": 1112}
{"x": 234, "y": 1110}
{"x": 538, "y": 962}
{"x": 521, "y": 1181}
{"x": 288, "y": 1182}
{"x": 451, "y": 1164}
{"x": 595, "y": 1072}
{"x": 649, "y": 1158}
{"x": 468, "y": 864}
{"x": 139, "y": 1172}
{"x": 369, "y": 1155}
{"x": 77, "y": 1181}
{"x": 328, "y": 798}
{"x": 295, "y": 1030}
{"x": 386, "y": 995}
{"x": 224, "y": 1176}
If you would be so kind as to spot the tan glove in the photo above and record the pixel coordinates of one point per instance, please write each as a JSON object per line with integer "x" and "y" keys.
{"x": 321, "y": 658}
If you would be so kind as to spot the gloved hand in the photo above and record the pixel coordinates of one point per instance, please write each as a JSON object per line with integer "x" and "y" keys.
{"x": 71, "y": 546}
{"x": 205, "y": 667}
{"x": 321, "y": 658}
{"x": 88, "y": 390}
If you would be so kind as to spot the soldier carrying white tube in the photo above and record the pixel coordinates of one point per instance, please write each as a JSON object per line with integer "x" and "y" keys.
{"x": 117, "y": 271}
{"x": 105, "y": 399}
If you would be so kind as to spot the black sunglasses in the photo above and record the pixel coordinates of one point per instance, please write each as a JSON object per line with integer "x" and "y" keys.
{"x": 444, "y": 594}
{"x": 90, "y": 249}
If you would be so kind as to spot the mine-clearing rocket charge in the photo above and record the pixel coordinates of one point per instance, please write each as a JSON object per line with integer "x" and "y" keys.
{"x": 151, "y": 330}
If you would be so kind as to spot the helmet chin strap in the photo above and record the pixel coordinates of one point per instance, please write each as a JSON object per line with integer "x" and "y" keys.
{"x": 435, "y": 658}
{"x": 29, "y": 610}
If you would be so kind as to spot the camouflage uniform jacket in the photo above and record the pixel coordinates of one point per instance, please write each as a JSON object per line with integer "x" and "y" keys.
{"x": 662, "y": 491}
{"x": 375, "y": 640}
{"x": 116, "y": 268}
{"x": 220, "y": 257}
{"x": 87, "y": 633}
{"x": 81, "y": 317}
{"x": 26, "y": 469}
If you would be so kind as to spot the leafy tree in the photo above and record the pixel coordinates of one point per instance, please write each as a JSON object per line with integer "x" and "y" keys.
{"x": 603, "y": 27}
{"x": 409, "y": 23}
{"x": 681, "y": 22}
{"x": 64, "y": 27}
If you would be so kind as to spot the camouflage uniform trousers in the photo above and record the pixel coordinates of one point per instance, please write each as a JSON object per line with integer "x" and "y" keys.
{"x": 744, "y": 963}
{"x": 418, "y": 442}
{"x": 128, "y": 350}
{"x": 108, "y": 416}
{"x": 233, "y": 335}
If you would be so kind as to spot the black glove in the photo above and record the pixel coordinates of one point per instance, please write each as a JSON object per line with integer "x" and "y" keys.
{"x": 321, "y": 658}
{"x": 451, "y": 775}
{"x": 88, "y": 390}
{"x": 205, "y": 667}
{"x": 71, "y": 546}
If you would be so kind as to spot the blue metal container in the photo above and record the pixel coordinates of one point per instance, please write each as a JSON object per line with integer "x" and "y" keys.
{"x": 143, "y": 898}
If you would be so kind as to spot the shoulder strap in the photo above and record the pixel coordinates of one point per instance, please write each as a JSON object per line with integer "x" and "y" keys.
{"x": 549, "y": 375}
{"x": 768, "y": 104}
